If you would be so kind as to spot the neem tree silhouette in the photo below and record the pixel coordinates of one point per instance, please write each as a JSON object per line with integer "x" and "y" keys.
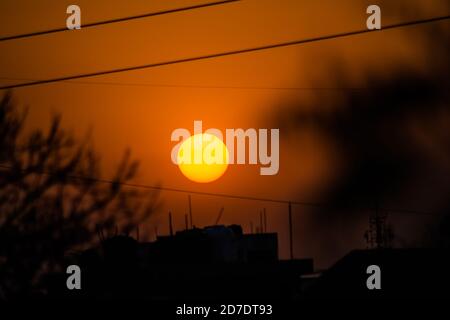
{"x": 45, "y": 210}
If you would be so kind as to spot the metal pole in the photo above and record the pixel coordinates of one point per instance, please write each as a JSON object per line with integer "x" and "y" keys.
{"x": 265, "y": 220}
{"x": 261, "y": 225}
{"x": 190, "y": 210}
{"x": 291, "y": 249}
{"x": 170, "y": 224}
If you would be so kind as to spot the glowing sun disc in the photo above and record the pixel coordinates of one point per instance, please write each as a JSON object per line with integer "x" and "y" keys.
{"x": 203, "y": 158}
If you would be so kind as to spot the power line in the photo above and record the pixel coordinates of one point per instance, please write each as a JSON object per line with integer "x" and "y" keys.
{"x": 223, "y": 54}
{"x": 199, "y": 86}
{"x": 144, "y": 186}
{"x": 194, "y": 86}
{"x": 212, "y": 194}
{"x": 99, "y": 23}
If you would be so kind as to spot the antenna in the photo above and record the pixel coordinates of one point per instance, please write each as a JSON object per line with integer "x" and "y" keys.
{"x": 379, "y": 235}
{"x": 265, "y": 220}
{"x": 170, "y": 224}
{"x": 186, "y": 222}
{"x": 190, "y": 209}
{"x": 291, "y": 249}
{"x": 261, "y": 228}
{"x": 219, "y": 216}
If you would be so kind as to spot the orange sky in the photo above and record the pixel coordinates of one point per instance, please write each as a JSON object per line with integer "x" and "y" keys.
{"x": 143, "y": 117}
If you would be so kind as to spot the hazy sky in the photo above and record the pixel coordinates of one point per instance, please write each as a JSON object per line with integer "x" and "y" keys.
{"x": 143, "y": 117}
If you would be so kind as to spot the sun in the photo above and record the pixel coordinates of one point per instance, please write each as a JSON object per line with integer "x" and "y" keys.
{"x": 203, "y": 158}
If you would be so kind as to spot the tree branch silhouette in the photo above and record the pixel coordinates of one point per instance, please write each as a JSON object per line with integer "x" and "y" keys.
{"x": 43, "y": 216}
